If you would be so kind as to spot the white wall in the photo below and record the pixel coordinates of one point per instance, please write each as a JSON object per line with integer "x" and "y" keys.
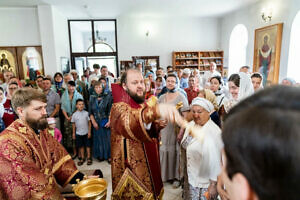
{"x": 37, "y": 26}
{"x": 19, "y": 27}
{"x": 165, "y": 35}
{"x": 47, "y": 37}
{"x": 54, "y": 36}
{"x": 283, "y": 11}
{"x": 61, "y": 37}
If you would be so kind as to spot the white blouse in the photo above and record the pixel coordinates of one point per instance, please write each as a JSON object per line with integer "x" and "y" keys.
{"x": 204, "y": 158}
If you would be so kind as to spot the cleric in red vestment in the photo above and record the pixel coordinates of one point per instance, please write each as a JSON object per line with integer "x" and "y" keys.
{"x": 136, "y": 172}
{"x": 32, "y": 161}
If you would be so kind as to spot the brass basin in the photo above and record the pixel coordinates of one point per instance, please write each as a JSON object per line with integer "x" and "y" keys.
{"x": 91, "y": 189}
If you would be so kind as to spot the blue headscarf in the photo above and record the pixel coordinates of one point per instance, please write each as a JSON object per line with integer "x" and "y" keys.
{"x": 68, "y": 106}
{"x": 148, "y": 73}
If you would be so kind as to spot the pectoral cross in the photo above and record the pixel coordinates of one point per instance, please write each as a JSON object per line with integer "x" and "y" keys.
{"x": 149, "y": 114}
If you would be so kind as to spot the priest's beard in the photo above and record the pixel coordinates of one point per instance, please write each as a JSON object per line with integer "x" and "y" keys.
{"x": 138, "y": 99}
{"x": 37, "y": 124}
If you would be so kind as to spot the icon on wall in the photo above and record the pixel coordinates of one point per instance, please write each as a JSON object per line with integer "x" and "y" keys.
{"x": 32, "y": 63}
{"x": 267, "y": 47}
{"x": 7, "y": 61}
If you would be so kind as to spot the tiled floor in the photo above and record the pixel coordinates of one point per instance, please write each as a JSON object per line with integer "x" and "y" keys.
{"x": 170, "y": 193}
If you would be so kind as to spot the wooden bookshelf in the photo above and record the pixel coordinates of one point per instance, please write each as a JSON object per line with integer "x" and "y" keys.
{"x": 198, "y": 60}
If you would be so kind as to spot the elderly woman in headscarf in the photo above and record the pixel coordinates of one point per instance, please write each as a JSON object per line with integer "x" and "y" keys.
{"x": 99, "y": 109}
{"x": 240, "y": 87}
{"x": 210, "y": 96}
{"x": 68, "y": 106}
{"x": 201, "y": 153}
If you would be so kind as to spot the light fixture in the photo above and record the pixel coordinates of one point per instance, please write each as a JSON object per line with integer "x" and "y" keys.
{"x": 266, "y": 15}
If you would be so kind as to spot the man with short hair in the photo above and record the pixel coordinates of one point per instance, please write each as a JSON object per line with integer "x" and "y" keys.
{"x": 245, "y": 69}
{"x": 67, "y": 77}
{"x": 261, "y": 155}
{"x": 53, "y": 101}
{"x": 95, "y": 73}
{"x": 39, "y": 82}
{"x": 256, "y": 79}
{"x": 109, "y": 79}
{"x": 32, "y": 162}
{"x": 134, "y": 133}
{"x": 169, "y": 69}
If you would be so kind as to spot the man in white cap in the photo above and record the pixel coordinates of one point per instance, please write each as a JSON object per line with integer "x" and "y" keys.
{"x": 184, "y": 81}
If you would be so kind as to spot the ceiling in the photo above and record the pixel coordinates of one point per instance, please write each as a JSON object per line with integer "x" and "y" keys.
{"x": 146, "y": 8}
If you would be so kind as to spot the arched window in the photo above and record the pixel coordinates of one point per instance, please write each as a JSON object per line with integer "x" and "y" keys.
{"x": 101, "y": 47}
{"x": 237, "y": 48}
{"x": 293, "y": 70}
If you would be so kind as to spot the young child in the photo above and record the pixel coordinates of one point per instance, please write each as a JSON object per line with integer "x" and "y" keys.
{"x": 55, "y": 132}
{"x": 82, "y": 132}
{"x": 2, "y": 100}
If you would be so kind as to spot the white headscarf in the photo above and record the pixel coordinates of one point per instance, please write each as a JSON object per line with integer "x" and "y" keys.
{"x": 246, "y": 87}
{"x": 204, "y": 103}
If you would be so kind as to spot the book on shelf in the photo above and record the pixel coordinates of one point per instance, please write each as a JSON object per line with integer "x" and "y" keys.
{"x": 205, "y": 62}
{"x": 211, "y": 54}
{"x": 218, "y": 54}
{"x": 218, "y": 62}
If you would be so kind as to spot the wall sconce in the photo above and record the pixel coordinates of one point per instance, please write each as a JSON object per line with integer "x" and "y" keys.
{"x": 147, "y": 33}
{"x": 266, "y": 15}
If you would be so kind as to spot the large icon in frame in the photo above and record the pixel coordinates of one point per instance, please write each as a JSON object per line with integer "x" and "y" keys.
{"x": 31, "y": 62}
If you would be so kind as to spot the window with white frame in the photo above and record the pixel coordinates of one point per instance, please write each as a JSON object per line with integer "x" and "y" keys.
{"x": 293, "y": 70}
{"x": 237, "y": 48}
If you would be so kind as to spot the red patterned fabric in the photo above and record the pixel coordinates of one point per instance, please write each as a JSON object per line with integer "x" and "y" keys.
{"x": 33, "y": 164}
{"x": 191, "y": 94}
{"x": 141, "y": 154}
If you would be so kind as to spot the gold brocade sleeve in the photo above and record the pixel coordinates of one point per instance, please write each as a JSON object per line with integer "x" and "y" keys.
{"x": 64, "y": 167}
{"x": 130, "y": 122}
{"x": 19, "y": 175}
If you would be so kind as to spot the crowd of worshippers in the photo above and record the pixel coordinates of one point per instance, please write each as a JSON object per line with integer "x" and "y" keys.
{"x": 79, "y": 108}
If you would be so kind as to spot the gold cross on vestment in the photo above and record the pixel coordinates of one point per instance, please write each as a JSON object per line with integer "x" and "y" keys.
{"x": 22, "y": 129}
{"x": 149, "y": 113}
{"x": 46, "y": 171}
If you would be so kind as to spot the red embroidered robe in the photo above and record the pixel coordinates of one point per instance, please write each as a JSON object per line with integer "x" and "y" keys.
{"x": 31, "y": 166}
{"x": 141, "y": 154}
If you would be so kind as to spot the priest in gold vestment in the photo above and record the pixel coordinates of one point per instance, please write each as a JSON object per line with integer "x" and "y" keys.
{"x": 136, "y": 172}
{"x": 32, "y": 162}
